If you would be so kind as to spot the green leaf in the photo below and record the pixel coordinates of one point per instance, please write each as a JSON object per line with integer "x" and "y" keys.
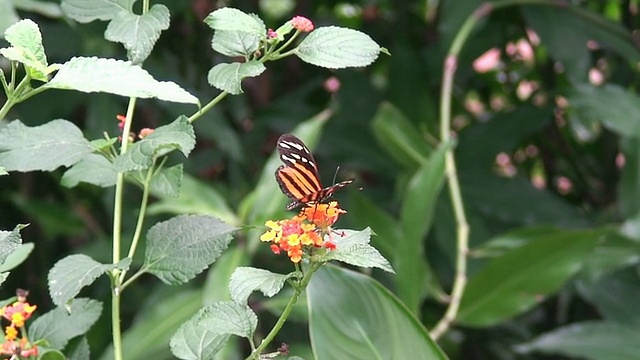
{"x": 193, "y": 342}
{"x": 17, "y": 257}
{"x": 616, "y": 108}
{"x": 142, "y": 154}
{"x": 615, "y": 296}
{"x": 352, "y": 247}
{"x": 167, "y": 181}
{"x": 219, "y": 275}
{"x": 26, "y": 41}
{"x": 10, "y": 241}
{"x": 92, "y": 74}
{"x": 45, "y": 147}
{"x": 337, "y": 48}
{"x": 235, "y": 43}
{"x": 85, "y": 11}
{"x": 230, "y": 19}
{"x": 48, "y": 9}
{"x": 196, "y": 197}
{"x": 69, "y": 275}
{"x": 396, "y": 134}
{"x": 63, "y": 323}
{"x": 78, "y": 349}
{"x": 228, "y": 77}
{"x": 8, "y": 16}
{"x": 352, "y": 316}
{"x": 228, "y": 317}
{"x": 91, "y": 169}
{"x": 180, "y": 248}
{"x": 246, "y": 280}
{"x": 138, "y": 33}
{"x": 517, "y": 281}
{"x": 593, "y": 340}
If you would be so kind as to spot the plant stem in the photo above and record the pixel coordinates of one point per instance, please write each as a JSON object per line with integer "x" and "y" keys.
{"x": 115, "y": 321}
{"x": 207, "y": 107}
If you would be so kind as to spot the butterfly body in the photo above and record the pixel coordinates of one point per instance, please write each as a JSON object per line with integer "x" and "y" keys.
{"x": 298, "y": 177}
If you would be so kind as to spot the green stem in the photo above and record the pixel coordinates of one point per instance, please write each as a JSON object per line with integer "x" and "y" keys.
{"x": 207, "y": 107}
{"x": 285, "y": 314}
{"x": 115, "y": 322}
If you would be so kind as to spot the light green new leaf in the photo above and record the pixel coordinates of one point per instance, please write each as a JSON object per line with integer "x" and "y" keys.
{"x": 26, "y": 48}
{"x": 178, "y": 135}
{"x": 228, "y": 77}
{"x": 138, "y": 33}
{"x": 518, "y": 280}
{"x": 69, "y": 275}
{"x": 45, "y": 147}
{"x": 92, "y": 74}
{"x": 230, "y": 19}
{"x": 85, "y": 11}
{"x": 246, "y": 280}
{"x": 588, "y": 340}
{"x": 193, "y": 342}
{"x": 228, "y": 317}
{"x": 353, "y": 248}
{"x": 167, "y": 181}
{"x": 63, "y": 323}
{"x": 337, "y": 48}
{"x": 352, "y": 316}
{"x": 180, "y": 248}
{"x": 235, "y": 43}
{"x": 91, "y": 169}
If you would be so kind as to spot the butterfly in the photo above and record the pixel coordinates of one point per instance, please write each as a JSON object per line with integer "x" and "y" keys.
{"x": 298, "y": 177}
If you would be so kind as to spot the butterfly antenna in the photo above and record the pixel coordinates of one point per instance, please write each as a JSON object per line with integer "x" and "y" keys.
{"x": 335, "y": 175}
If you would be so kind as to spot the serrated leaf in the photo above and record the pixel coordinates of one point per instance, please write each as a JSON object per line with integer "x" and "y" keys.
{"x": 92, "y": 74}
{"x": 180, "y": 248}
{"x": 167, "y": 182}
{"x": 228, "y": 317}
{"x": 26, "y": 41}
{"x": 193, "y": 342}
{"x": 138, "y": 33}
{"x": 231, "y": 19}
{"x": 235, "y": 43}
{"x": 45, "y": 147}
{"x": 246, "y": 280}
{"x": 91, "y": 169}
{"x": 178, "y": 135}
{"x": 61, "y": 324}
{"x": 69, "y": 275}
{"x": 337, "y": 48}
{"x": 228, "y": 77}
{"x": 85, "y": 11}
{"x": 17, "y": 257}
{"x": 10, "y": 241}
{"x": 353, "y": 248}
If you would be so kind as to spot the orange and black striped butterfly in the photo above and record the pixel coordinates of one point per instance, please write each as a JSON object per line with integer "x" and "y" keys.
{"x": 298, "y": 177}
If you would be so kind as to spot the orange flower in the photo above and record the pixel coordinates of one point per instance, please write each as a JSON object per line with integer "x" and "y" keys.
{"x": 18, "y": 312}
{"x": 21, "y": 348}
{"x": 301, "y": 23}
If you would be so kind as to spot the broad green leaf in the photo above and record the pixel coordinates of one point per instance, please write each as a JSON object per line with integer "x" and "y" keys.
{"x": 520, "y": 279}
{"x": 63, "y": 323}
{"x": 615, "y": 253}
{"x": 180, "y": 248}
{"x": 352, "y": 247}
{"x": 78, "y": 349}
{"x": 10, "y": 241}
{"x": 592, "y": 340}
{"x": 193, "y": 342}
{"x": 615, "y": 296}
{"x": 195, "y": 197}
{"x": 512, "y": 240}
{"x": 8, "y": 16}
{"x": 45, "y": 8}
{"x": 138, "y": 33}
{"x": 399, "y": 137}
{"x": 415, "y": 218}
{"x": 178, "y": 135}
{"x": 337, "y": 48}
{"x": 45, "y": 147}
{"x": 219, "y": 275}
{"x": 352, "y": 316}
{"x": 365, "y": 212}
{"x": 230, "y": 19}
{"x": 85, "y": 11}
{"x": 26, "y": 47}
{"x": 228, "y": 317}
{"x": 92, "y": 74}
{"x": 69, "y": 275}
{"x": 246, "y": 280}
{"x": 167, "y": 181}
{"x": 228, "y": 77}
{"x": 611, "y": 105}
{"x": 91, "y": 169}
{"x": 50, "y": 354}
{"x": 235, "y": 43}
{"x": 17, "y": 257}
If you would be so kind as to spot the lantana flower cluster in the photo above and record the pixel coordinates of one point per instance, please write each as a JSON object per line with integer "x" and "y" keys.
{"x": 304, "y": 232}
{"x": 17, "y": 313}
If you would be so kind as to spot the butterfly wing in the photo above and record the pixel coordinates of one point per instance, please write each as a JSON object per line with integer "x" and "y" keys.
{"x": 298, "y": 177}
